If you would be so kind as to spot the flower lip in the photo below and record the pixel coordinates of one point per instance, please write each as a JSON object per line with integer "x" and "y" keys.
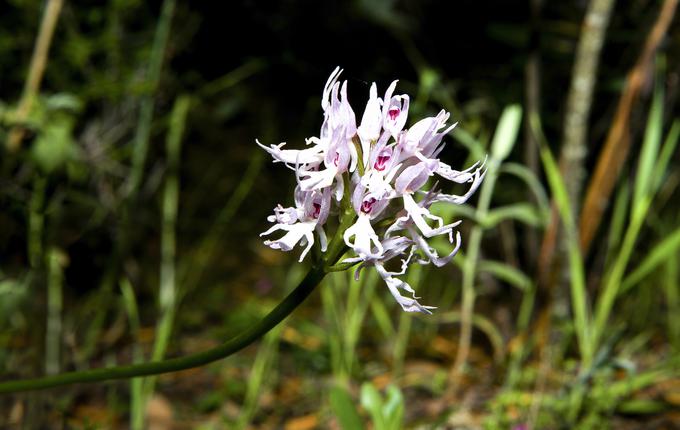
{"x": 316, "y": 210}
{"x": 393, "y": 113}
{"x": 381, "y": 161}
{"x": 367, "y": 205}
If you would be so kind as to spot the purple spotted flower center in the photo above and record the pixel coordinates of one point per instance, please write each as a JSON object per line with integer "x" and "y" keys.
{"x": 367, "y": 205}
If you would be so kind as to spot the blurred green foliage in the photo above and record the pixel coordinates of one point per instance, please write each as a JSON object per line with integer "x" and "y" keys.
{"x": 191, "y": 221}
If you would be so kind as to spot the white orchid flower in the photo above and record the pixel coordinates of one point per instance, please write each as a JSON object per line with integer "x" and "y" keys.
{"x": 396, "y": 164}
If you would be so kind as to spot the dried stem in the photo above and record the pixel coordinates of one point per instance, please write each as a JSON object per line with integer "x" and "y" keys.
{"x": 35, "y": 71}
{"x": 617, "y": 144}
{"x": 532, "y": 100}
{"x": 575, "y": 133}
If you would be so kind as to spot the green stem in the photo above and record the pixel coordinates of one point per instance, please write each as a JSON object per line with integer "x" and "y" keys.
{"x": 54, "y": 311}
{"x": 143, "y": 131}
{"x": 278, "y": 314}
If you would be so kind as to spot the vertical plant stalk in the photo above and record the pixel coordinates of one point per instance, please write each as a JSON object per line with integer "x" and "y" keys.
{"x": 652, "y": 162}
{"x": 167, "y": 293}
{"x": 141, "y": 143}
{"x": 359, "y": 297}
{"x": 577, "y": 283}
{"x": 36, "y": 70}
{"x": 329, "y": 301}
{"x": 580, "y": 98}
{"x": 618, "y": 141}
{"x": 259, "y": 376}
{"x": 55, "y": 281}
{"x": 575, "y": 130}
{"x": 518, "y": 353}
{"x": 207, "y": 247}
{"x": 503, "y": 142}
{"x": 642, "y": 199}
{"x": 143, "y": 131}
{"x": 671, "y": 280}
{"x": 136, "y": 384}
{"x": 415, "y": 276}
{"x": 36, "y": 222}
{"x": 532, "y": 98}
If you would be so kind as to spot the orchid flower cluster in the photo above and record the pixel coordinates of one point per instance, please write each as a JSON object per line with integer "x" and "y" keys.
{"x": 379, "y": 169}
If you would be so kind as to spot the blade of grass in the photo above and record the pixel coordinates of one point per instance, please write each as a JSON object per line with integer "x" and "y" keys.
{"x": 667, "y": 151}
{"x": 55, "y": 282}
{"x": 501, "y": 146}
{"x": 414, "y": 277}
{"x": 618, "y": 222}
{"x": 664, "y": 251}
{"x": 36, "y": 221}
{"x": 133, "y": 183}
{"x": 136, "y": 384}
{"x": 577, "y": 273}
{"x": 523, "y": 318}
{"x": 642, "y": 197}
{"x": 259, "y": 374}
{"x": 360, "y": 295}
{"x": 618, "y": 141}
{"x": 531, "y": 181}
{"x": 649, "y": 153}
{"x": 344, "y": 408}
{"x": 153, "y": 76}
{"x": 191, "y": 274}
{"x": 331, "y": 311}
{"x": 671, "y": 282}
{"x": 167, "y": 293}
{"x": 506, "y": 273}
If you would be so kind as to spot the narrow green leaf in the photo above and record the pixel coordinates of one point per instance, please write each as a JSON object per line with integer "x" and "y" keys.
{"x": 393, "y": 411}
{"x": 529, "y": 178}
{"x": 372, "y": 402}
{"x": 343, "y": 407}
{"x": 522, "y": 212}
{"x": 506, "y": 273}
{"x": 667, "y": 151}
{"x": 506, "y": 133}
{"x": 666, "y": 249}
{"x": 577, "y": 271}
{"x": 618, "y": 220}
{"x": 469, "y": 142}
{"x": 650, "y": 146}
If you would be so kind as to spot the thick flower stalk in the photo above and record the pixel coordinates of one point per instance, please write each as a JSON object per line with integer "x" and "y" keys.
{"x": 379, "y": 171}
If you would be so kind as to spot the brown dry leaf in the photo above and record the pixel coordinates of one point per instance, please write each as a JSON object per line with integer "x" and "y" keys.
{"x": 444, "y": 346}
{"x": 672, "y": 398}
{"x": 420, "y": 373}
{"x": 382, "y": 381}
{"x": 478, "y": 355}
{"x": 307, "y": 342}
{"x": 97, "y": 416}
{"x": 306, "y": 422}
{"x": 159, "y": 414}
{"x": 16, "y": 414}
{"x": 516, "y": 343}
{"x": 465, "y": 419}
{"x": 146, "y": 334}
{"x": 290, "y": 388}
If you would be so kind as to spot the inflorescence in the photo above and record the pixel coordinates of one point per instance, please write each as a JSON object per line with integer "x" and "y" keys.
{"x": 378, "y": 170}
